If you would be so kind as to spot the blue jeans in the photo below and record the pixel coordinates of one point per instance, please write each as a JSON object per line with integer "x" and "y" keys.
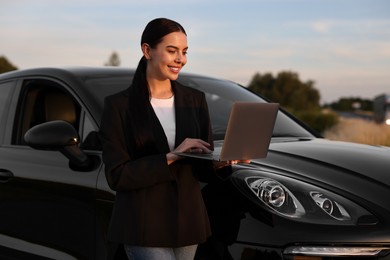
{"x": 160, "y": 253}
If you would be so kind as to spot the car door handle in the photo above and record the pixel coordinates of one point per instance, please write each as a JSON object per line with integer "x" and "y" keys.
{"x": 5, "y": 175}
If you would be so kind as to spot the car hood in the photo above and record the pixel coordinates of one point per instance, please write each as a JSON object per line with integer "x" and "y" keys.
{"x": 354, "y": 168}
{"x": 372, "y": 162}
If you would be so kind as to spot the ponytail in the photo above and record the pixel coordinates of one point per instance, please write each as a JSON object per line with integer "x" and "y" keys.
{"x": 140, "y": 108}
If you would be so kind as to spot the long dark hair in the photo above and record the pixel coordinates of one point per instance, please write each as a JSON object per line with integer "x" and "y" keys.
{"x": 139, "y": 103}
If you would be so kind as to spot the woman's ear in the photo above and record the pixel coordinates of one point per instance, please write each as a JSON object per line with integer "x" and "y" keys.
{"x": 146, "y": 50}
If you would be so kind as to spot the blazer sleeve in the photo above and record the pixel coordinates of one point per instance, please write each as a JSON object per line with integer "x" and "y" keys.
{"x": 123, "y": 172}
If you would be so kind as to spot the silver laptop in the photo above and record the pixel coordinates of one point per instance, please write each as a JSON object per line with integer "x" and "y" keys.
{"x": 248, "y": 133}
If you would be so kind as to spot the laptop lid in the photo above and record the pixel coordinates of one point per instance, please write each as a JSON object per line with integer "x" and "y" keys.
{"x": 248, "y": 133}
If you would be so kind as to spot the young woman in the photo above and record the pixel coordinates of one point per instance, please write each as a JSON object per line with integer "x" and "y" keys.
{"x": 159, "y": 211}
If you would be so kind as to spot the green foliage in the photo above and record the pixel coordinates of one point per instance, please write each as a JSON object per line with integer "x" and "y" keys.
{"x": 5, "y": 65}
{"x": 300, "y": 98}
{"x": 351, "y": 104}
{"x": 287, "y": 90}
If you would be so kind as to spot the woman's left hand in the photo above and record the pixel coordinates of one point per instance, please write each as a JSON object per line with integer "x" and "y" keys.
{"x": 221, "y": 164}
{"x": 239, "y": 161}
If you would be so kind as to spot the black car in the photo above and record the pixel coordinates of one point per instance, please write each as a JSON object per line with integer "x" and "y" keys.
{"x": 310, "y": 198}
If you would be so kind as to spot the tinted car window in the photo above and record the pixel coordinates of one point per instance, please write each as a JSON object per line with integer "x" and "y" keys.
{"x": 100, "y": 87}
{"x": 220, "y": 94}
{"x": 42, "y": 101}
{"x": 90, "y": 139}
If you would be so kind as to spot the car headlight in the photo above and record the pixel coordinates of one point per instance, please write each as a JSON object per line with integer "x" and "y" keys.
{"x": 276, "y": 196}
{"x": 298, "y": 200}
{"x": 332, "y": 208}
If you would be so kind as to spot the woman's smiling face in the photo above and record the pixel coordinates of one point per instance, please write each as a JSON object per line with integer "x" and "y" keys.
{"x": 168, "y": 57}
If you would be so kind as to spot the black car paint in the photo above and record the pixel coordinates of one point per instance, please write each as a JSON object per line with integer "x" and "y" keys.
{"x": 56, "y": 212}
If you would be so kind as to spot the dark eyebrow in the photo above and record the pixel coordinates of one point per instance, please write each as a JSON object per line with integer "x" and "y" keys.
{"x": 177, "y": 48}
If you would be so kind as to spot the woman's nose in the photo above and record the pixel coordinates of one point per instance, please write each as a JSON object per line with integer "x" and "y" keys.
{"x": 179, "y": 58}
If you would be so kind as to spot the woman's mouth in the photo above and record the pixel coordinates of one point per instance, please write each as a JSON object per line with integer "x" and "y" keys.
{"x": 174, "y": 69}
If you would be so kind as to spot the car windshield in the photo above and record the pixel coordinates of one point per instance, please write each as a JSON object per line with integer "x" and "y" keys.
{"x": 220, "y": 95}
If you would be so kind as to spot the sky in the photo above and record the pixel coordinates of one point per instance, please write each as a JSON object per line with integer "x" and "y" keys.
{"x": 341, "y": 45}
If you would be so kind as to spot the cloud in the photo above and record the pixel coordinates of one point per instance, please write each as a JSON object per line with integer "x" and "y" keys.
{"x": 350, "y": 27}
{"x": 366, "y": 51}
{"x": 322, "y": 26}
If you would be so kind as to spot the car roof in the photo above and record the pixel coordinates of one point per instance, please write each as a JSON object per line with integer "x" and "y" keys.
{"x": 80, "y": 72}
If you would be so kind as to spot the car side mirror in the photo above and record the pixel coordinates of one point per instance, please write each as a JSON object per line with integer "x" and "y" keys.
{"x": 59, "y": 136}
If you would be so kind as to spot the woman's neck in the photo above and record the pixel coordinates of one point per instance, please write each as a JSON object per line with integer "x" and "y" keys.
{"x": 160, "y": 89}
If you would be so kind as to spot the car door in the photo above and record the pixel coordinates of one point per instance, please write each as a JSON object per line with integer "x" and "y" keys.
{"x": 47, "y": 210}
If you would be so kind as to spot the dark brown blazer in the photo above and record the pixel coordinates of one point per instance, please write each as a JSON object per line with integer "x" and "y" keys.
{"x": 156, "y": 204}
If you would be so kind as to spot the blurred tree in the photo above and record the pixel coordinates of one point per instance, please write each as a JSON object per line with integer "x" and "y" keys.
{"x": 351, "y": 104}
{"x": 5, "y": 65}
{"x": 114, "y": 60}
{"x": 287, "y": 89}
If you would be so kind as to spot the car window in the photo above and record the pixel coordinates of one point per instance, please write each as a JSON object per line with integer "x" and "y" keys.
{"x": 5, "y": 90}
{"x": 89, "y": 137}
{"x": 100, "y": 87}
{"x": 221, "y": 94}
{"x": 43, "y": 101}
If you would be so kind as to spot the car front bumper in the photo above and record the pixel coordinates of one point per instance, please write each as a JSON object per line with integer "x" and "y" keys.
{"x": 310, "y": 252}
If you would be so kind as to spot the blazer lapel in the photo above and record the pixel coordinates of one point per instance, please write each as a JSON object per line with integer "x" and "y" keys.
{"x": 183, "y": 110}
{"x": 185, "y": 127}
{"x": 160, "y": 139}
{"x": 158, "y": 131}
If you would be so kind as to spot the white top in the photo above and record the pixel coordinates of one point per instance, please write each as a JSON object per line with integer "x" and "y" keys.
{"x": 165, "y": 111}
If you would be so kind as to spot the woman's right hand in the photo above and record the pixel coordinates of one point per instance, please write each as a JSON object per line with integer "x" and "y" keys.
{"x": 189, "y": 145}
